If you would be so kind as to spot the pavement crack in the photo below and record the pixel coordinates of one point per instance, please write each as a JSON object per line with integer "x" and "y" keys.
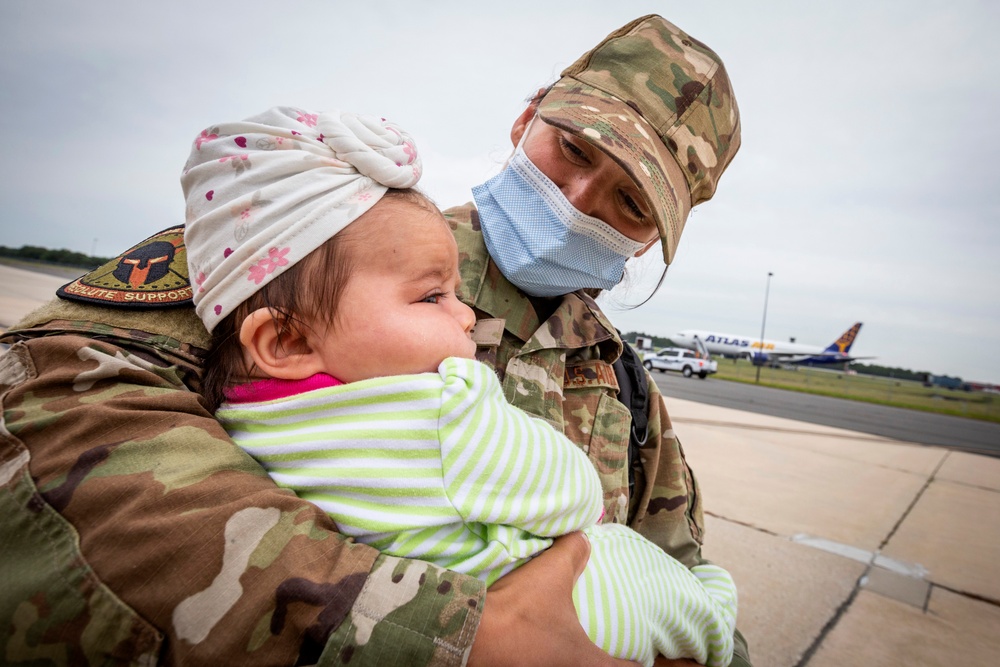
{"x": 744, "y": 524}
{"x": 972, "y": 596}
{"x": 832, "y": 621}
{"x": 916, "y": 498}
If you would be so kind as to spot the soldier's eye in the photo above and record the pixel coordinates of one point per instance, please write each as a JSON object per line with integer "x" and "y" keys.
{"x": 573, "y": 152}
{"x": 632, "y": 207}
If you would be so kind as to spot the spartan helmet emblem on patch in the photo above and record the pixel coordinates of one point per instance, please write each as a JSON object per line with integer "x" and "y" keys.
{"x": 150, "y": 274}
{"x": 145, "y": 264}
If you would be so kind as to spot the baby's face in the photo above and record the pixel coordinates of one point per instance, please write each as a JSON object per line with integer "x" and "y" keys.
{"x": 399, "y": 313}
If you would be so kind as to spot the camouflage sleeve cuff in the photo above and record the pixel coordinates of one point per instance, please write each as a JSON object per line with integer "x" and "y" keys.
{"x": 741, "y": 654}
{"x": 409, "y": 613}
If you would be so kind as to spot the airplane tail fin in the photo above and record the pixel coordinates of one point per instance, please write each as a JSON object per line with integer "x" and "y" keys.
{"x": 843, "y": 344}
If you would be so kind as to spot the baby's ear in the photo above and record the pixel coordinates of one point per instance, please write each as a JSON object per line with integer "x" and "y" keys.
{"x": 277, "y": 347}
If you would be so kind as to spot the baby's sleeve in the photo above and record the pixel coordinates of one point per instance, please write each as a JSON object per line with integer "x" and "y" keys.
{"x": 502, "y": 466}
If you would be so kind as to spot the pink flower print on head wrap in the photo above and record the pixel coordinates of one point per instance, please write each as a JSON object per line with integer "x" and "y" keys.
{"x": 264, "y": 192}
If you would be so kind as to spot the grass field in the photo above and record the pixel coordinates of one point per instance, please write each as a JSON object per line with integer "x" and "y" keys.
{"x": 872, "y": 389}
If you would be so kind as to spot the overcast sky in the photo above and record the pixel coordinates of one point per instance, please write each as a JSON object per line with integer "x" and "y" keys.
{"x": 867, "y": 180}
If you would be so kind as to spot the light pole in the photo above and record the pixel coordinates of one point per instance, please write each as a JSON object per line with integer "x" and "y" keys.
{"x": 763, "y": 321}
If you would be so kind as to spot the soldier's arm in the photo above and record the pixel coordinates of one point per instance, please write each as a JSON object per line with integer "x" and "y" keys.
{"x": 669, "y": 510}
{"x": 132, "y": 530}
{"x": 135, "y": 528}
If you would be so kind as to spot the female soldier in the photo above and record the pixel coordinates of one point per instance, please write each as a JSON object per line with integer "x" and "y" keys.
{"x": 608, "y": 160}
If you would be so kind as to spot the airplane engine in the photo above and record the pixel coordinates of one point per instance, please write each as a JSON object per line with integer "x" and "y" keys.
{"x": 759, "y": 358}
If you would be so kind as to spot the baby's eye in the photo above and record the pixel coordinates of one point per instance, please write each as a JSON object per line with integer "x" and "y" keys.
{"x": 432, "y": 298}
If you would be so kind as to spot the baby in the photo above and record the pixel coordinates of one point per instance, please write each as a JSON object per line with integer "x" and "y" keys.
{"x": 343, "y": 362}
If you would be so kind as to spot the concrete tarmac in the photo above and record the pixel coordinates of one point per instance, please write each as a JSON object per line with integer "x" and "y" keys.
{"x": 847, "y": 548}
{"x": 21, "y": 291}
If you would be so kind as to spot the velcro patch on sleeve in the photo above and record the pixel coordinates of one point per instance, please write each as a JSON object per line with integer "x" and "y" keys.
{"x": 151, "y": 274}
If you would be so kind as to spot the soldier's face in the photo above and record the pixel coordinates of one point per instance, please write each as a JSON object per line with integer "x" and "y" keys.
{"x": 593, "y": 182}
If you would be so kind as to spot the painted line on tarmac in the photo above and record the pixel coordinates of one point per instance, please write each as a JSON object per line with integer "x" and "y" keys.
{"x": 889, "y": 577}
{"x": 913, "y": 570}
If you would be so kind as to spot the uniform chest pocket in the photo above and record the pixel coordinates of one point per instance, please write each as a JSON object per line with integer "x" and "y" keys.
{"x": 600, "y": 424}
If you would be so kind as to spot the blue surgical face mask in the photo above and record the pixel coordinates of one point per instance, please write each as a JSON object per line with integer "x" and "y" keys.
{"x": 540, "y": 241}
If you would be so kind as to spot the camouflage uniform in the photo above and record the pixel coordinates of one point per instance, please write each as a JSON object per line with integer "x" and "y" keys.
{"x": 133, "y": 531}
{"x": 554, "y": 359}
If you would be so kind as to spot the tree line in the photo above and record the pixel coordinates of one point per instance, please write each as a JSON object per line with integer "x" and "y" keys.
{"x": 62, "y": 256}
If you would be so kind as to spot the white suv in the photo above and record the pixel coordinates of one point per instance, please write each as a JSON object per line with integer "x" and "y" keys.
{"x": 687, "y": 362}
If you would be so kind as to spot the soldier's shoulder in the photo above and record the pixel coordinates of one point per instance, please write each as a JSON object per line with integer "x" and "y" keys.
{"x": 142, "y": 295}
{"x": 461, "y": 215}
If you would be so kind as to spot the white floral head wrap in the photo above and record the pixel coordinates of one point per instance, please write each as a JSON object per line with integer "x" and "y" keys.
{"x": 264, "y": 192}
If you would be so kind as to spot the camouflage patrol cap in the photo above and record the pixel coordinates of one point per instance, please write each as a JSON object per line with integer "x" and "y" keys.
{"x": 647, "y": 94}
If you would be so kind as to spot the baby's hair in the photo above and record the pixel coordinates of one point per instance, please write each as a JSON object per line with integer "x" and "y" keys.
{"x": 308, "y": 293}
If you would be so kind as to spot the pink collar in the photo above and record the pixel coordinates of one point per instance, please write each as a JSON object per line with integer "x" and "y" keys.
{"x": 273, "y": 388}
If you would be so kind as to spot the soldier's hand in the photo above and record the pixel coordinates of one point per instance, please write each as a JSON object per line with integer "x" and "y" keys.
{"x": 529, "y": 618}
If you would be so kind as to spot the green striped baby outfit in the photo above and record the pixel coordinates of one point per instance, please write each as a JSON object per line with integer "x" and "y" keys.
{"x": 439, "y": 467}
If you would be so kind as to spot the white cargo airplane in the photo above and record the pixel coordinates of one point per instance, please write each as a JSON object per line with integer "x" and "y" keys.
{"x": 730, "y": 345}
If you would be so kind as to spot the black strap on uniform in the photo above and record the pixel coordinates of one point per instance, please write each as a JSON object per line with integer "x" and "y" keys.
{"x": 633, "y": 393}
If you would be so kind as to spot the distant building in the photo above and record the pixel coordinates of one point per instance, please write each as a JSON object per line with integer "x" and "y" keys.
{"x": 946, "y": 381}
{"x": 644, "y": 344}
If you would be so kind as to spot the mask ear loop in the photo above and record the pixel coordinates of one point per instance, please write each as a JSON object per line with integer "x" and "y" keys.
{"x": 520, "y": 142}
{"x": 649, "y": 246}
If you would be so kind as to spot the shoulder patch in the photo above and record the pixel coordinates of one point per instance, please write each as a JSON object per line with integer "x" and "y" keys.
{"x": 150, "y": 274}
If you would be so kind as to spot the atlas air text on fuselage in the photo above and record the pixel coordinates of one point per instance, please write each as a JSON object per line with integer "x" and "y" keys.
{"x": 738, "y": 342}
